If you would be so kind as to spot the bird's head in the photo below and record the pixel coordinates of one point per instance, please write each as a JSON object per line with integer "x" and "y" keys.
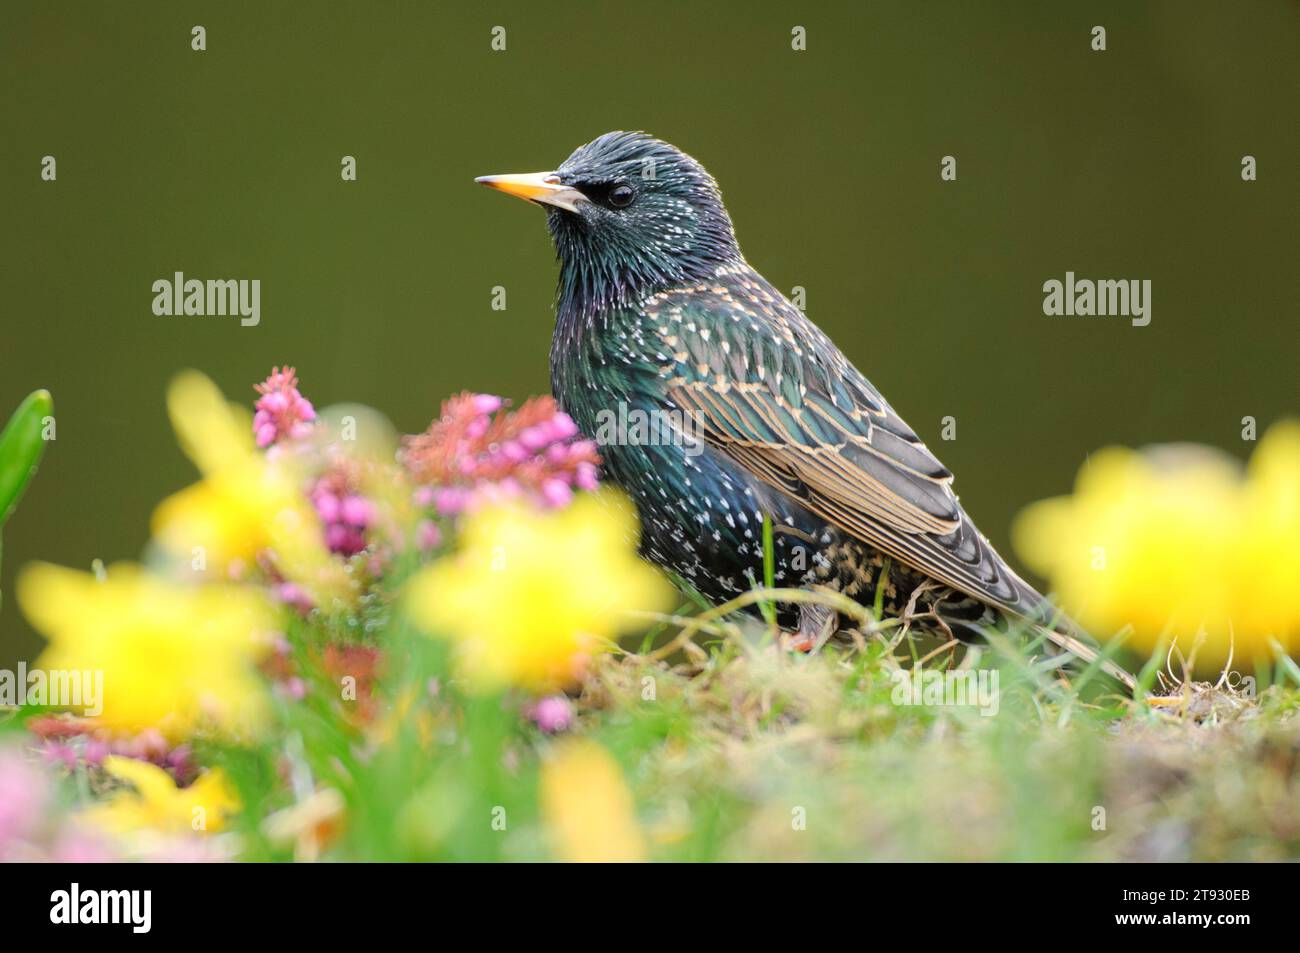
{"x": 629, "y": 215}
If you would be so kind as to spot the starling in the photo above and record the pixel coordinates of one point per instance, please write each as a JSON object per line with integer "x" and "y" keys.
{"x": 660, "y": 318}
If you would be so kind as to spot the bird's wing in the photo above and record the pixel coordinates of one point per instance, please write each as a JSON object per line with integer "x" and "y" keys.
{"x": 769, "y": 390}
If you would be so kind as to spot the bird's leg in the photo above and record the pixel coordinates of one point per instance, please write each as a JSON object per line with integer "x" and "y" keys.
{"x": 817, "y": 623}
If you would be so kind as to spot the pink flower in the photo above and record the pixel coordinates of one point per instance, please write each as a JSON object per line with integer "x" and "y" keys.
{"x": 328, "y": 507}
{"x": 476, "y": 453}
{"x": 427, "y": 535}
{"x": 148, "y": 745}
{"x": 563, "y": 427}
{"x": 556, "y": 492}
{"x": 345, "y": 513}
{"x": 96, "y": 750}
{"x": 357, "y": 511}
{"x": 27, "y": 829}
{"x": 450, "y": 501}
{"x": 282, "y": 413}
{"x": 79, "y": 846}
{"x": 58, "y": 752}
{"x": 552, "y": 714}
{"x": 293, "y": 687}
{"x": 181, "y": 761}
{"x": 294, "y": 596}
{"x": 24, "y": 793}
{"x": 344, "y": 540}
{"x": 586, "y": 477}
{"x": 75, "y": 742}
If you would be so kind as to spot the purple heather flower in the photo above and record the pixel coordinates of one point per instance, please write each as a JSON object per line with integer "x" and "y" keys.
{"x": 96, "y": 750}
{"x": 450, "y": 500}
{"x": 59, "y": 752}
{"x": 586, "y": 476}
{"x": 563, "y": 427}
{"x": 345, "y": 514}
{"x": 148, "y": 745}
{"x": 327, "y": 505}
{"x": 357, "y": 511}
{"x": 344, "y": 540}
{"x": 181, "y": 760}
{"x": 535, "y": 438}
{"x": 294, "y": 596}
{"x": 473, "y": 454}
{"x": 427, "y": 535}
{"x": 282, "y": 413}
{"x": 556, "y": 492}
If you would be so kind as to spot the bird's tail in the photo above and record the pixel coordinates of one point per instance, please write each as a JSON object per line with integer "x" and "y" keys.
{"x": 1089, "y": 654}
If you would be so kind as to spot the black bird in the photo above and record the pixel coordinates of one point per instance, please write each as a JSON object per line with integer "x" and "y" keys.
{"x": 661, "y": 319}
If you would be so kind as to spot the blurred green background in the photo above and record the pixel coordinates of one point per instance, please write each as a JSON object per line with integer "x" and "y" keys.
{"x": 225, "y": 163}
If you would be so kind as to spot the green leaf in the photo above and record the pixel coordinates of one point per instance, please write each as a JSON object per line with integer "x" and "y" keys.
{"x": 21, "y": 447}
{"x": 767, "y": 607}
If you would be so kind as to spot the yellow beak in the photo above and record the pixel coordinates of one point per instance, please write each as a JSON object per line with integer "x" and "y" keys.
{"x": 541, "y": 187}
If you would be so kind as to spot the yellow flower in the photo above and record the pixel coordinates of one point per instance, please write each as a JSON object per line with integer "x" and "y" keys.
{"x": 245, "y": 503}
{"x": 308, "y": 825}
{"x": 1265, "y": 570}
{"x": 171, "y": 657}
{"x": 532, "y": 594}
{"x": 1178, "y": 540}
{"x": 586, "y": 806}
{"x": 157, "y": 804}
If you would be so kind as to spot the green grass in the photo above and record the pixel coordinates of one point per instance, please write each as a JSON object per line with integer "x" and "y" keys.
{"x": 735, "y": 749}
{"x": 741, "y": 742}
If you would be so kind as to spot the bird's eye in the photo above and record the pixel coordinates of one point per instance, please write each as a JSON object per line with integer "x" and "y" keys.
{"x": 620, "y": 196}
